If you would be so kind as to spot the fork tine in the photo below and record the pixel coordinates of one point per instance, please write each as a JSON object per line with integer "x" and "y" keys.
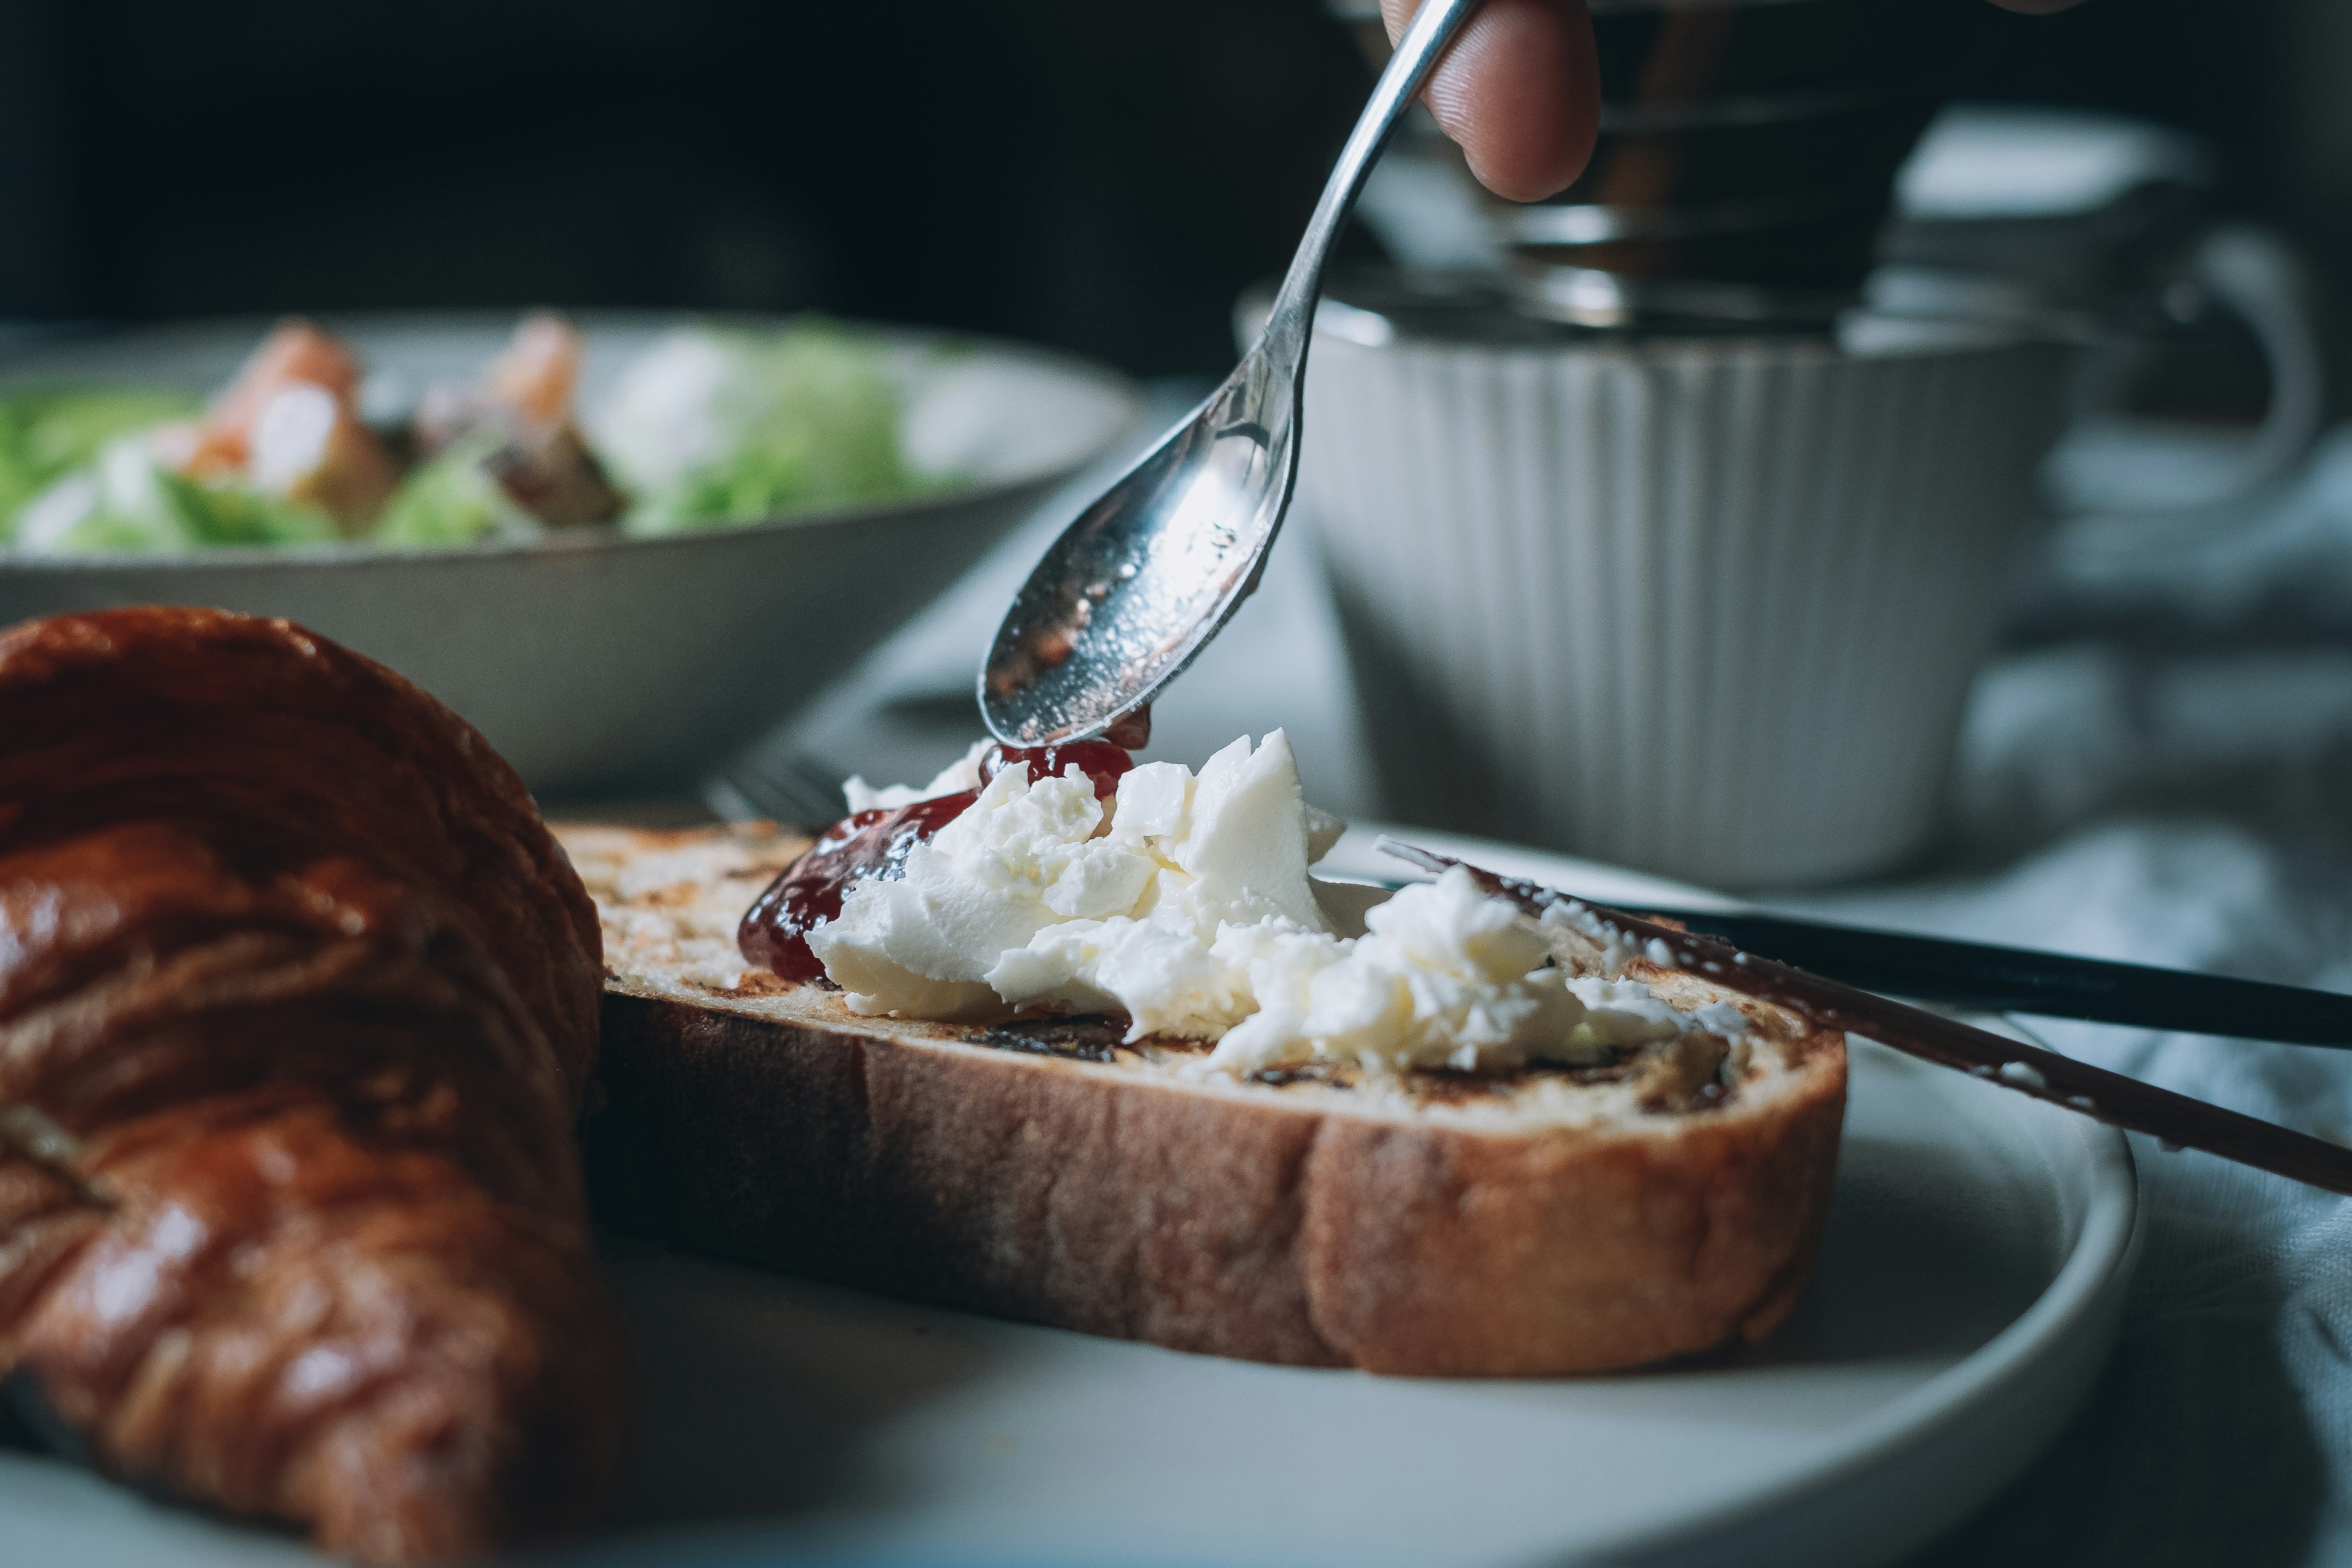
{"x": 790, "y": 789}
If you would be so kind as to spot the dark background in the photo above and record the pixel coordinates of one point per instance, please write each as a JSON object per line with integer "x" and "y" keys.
{"x": 1103, "y": 175}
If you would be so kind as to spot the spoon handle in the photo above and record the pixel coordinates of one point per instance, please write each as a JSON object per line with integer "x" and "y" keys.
{"x": 1425, "y": 38}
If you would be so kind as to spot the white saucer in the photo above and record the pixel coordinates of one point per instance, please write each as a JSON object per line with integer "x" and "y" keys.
{"x": 1978, "y": 1252}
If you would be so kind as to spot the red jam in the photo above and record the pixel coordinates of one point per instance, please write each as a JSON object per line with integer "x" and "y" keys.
{"x": 1098, "y": 760}
{"x": 775, "y": 931}
{"x": 1132, "y": 731}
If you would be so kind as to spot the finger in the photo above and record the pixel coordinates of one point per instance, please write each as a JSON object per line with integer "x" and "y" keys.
{"x": 1519, "y": 89}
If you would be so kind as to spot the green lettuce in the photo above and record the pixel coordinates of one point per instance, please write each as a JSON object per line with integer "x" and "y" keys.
{"x": 127, "y": 502}
{"x": 770, "y": 423}
{"x": 451, "y": 501}
{"x": 45, "y": 434}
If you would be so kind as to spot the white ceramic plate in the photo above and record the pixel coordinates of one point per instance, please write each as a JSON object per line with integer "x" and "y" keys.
{"x": 1978, "y": 1250}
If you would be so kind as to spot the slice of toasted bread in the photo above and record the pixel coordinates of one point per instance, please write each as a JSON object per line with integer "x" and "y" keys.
{"x": 1551, "y": 1221}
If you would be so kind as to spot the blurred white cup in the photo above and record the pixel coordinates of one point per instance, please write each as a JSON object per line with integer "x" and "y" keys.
{"x": 1705, "y": 592}
{"x": 1708, "y": 605}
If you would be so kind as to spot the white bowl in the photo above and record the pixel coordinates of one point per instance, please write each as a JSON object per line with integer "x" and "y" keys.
{"x": 593, "y": 662}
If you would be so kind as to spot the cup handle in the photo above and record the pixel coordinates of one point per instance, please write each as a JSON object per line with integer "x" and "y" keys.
{"x": 2260, "y": 277}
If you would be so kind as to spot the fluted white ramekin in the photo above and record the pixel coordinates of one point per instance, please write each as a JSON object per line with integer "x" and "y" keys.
{"x": 1706, "y": 605}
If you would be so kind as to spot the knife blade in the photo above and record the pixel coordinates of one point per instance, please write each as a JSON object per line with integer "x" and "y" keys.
{"x": 1825, "y": 1004}
{"x": 2025, "y": 980}
{"x": 1994, "y": 979}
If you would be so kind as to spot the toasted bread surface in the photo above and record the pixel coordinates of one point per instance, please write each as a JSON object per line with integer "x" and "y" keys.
{"x": 1552, "y": 1221}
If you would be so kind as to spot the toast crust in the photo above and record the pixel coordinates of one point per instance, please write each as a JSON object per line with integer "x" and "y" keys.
{"x": 1536, "y": 1226}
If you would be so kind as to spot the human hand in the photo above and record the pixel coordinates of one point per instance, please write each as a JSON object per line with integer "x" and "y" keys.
{"x": 1520, "y": 89}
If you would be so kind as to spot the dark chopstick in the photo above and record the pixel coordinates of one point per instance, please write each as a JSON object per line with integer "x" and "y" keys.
{"x": 2175, "y": 1118}
{"x": 2050, "y": 985}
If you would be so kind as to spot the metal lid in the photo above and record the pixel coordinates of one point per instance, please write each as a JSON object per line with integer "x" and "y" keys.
{"x": 1900, "y": 310}
{"x": 1377, "y": 306}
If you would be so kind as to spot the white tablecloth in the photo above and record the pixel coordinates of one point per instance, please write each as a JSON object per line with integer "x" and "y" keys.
{"x": 2168, "y": 779}
{"x": 2163, "y": 774}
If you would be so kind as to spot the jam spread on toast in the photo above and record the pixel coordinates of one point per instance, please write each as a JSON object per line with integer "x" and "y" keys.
{"x": 1102, "y": 760}
{"x": 1098, "y": 760}
{"x": 774, "y": 932}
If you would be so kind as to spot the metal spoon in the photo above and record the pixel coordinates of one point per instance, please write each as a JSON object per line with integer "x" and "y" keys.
{"x": 1136, "y": 586}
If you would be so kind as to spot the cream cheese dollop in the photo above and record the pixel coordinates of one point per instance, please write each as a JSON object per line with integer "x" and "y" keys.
{"x": 1443, "y": 976}
{"x": 1185, "y": 901}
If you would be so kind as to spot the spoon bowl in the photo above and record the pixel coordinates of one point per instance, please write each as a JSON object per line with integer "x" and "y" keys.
{"x": 1144, "y": 578}
{"x": 1136, "y": 586}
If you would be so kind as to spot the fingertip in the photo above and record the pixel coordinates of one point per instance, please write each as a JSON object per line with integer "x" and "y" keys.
{"x": 1516, "y": 176}
{"x": 1521, "y": 91}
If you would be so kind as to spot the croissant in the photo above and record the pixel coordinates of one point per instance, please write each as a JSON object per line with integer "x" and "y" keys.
{"x": 298, "y": 1012}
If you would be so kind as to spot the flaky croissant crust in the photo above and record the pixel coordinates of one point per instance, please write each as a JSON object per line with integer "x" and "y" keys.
{"x": 298, "y": 1007}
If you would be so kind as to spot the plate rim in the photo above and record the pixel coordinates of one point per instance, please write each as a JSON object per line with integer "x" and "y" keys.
{"x": 2101, "y": 1260}
{"x": 2096, "y": 1268}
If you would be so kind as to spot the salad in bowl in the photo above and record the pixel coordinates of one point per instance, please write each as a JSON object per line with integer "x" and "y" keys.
{"x": 623, "y": 545}
{"x": 705, "y": 426}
